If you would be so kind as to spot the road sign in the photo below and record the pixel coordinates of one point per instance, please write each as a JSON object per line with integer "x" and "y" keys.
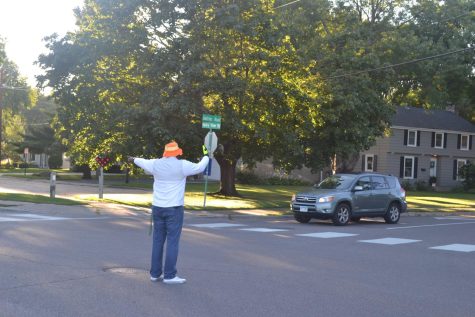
{"x": 211, "y": 122}
{"x": 211, "y": 143}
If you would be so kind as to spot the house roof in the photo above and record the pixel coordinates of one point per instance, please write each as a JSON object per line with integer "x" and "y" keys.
{"x": 431, "y": 119}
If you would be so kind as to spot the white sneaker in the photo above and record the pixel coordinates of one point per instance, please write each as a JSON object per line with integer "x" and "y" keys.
{"x": 154, "y": 279}
{"x": 175, "y": 280}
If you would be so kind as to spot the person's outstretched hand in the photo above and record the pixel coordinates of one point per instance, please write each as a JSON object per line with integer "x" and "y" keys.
{"x": 205, "y": 150}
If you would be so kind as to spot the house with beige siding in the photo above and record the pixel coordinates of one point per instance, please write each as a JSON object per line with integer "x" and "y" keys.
{"x": 423, "y": 145}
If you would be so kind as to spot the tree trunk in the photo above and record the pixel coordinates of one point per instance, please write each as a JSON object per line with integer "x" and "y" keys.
{"x": 228, "y": 175}
{"x": 127, "y": 171}
{"x": 334, "y": 166}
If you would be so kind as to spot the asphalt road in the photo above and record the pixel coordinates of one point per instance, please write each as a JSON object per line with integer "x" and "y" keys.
{"x": 73, "y": 262}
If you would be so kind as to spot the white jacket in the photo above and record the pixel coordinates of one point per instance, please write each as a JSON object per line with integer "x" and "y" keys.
{"x": 169, "y": 175}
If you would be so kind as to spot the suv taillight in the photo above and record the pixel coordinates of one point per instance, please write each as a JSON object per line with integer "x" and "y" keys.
{"x": 403, "y": 192}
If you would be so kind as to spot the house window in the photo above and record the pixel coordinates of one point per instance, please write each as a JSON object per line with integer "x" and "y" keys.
{"x": 408, "y": 167}
{"x": 460, "y": 164}
{"x": 369, "y": 164}
{"x": 439, "y": 140}
{"x": 464, "y": 142}
{"x": 412, "y": 138}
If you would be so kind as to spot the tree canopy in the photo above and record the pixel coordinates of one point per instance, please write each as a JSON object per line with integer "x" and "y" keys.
{"x": 15, "y": 96}
{"x": 308, "y": 83}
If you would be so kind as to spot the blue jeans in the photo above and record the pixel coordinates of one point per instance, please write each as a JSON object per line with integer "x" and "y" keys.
{"x": 167, "y": 225}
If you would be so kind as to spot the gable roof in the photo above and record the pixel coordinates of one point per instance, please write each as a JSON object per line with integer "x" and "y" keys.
{"x": 431, "y": 119}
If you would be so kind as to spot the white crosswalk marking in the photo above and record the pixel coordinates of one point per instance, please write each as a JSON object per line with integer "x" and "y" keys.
{"x": 263, "y": 229}
{"x": 326, "y": 235}
{"x": 456, "y": 247}
{"x": 19, "y": 217}
{"x": 217, "y": 225}
{"x": 10, "y": 217}
{"x": 390, "y": 241}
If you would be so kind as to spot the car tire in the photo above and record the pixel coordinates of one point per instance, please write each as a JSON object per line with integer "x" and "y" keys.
{"x": 342, "y": 215}
{"x": 393, "y": 213}
{"x": 302, "y": 218}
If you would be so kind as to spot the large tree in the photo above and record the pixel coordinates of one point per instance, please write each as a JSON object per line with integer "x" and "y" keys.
{"x": 137, "y": 74}
{"x": 339, "y": 42}
{"x": 434, "y": 28}
{"x": 306, "y": 83}
{"x": 239, "y": 64}
{"x": 15, "y": 96}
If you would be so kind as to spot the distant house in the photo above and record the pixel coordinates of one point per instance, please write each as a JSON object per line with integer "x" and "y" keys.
{"x": 423, "y": 145}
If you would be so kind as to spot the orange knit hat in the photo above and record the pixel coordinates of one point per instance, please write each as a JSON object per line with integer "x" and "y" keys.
{"x": 172, "y": 149}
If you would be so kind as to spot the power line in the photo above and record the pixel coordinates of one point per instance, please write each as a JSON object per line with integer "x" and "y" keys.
{"x": 415, "y": 16}
{"x": 454, "y": 17}
{"x": 15, "y": 88}
{"x": 45, "y": 123}
{"x": 401, "y": 64}
{"x": 287, "y": 4}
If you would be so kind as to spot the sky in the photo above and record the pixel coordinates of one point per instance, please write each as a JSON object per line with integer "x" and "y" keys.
{"x": 23, "y": 25}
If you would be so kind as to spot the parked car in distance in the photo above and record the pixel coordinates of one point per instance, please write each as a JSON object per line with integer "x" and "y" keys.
{"x": 345, "y": 197}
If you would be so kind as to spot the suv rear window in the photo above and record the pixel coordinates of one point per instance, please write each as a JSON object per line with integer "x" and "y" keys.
{"x": 379, "y": 183}
{"x": 392, "y": 181}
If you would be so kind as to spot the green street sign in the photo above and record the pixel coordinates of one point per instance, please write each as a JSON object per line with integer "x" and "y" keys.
{"x": 211, "y": 122}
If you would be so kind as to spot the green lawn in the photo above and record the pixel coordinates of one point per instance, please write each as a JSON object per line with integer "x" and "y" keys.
{"x": 277, "y": 198}
{"x": 442, "y": 202}
{"x": 271, "y": 198}
{"x": 38, "y": 199}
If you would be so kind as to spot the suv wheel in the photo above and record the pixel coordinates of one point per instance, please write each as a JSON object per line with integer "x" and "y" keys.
{"x": 302, "y": 218}
{"x": 342, "y": 215}
{"x": 393, "y": 214}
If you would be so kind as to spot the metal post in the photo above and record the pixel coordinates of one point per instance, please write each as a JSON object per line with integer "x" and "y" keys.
{"x": 101, "y": 182}
{"x": 52, "y": 185}
{"x": 206, "y": 176}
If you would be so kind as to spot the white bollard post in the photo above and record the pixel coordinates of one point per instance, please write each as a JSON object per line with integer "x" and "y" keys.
{"x": 52, "y": 185}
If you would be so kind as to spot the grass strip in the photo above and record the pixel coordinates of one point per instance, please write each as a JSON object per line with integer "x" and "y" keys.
{"x": 38, "y": 199}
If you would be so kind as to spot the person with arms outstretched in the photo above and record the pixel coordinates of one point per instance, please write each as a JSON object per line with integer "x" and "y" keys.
{"x": 169, "y": 175}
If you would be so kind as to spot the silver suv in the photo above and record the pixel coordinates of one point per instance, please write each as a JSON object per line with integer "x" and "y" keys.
{"x": 345, "y": 197}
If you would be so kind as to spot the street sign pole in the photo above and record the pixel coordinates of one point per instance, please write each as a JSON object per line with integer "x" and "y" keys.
{"x": 210, "y": 122}
{"x": 206, "y": 176}
{"x": 101, "y": 182}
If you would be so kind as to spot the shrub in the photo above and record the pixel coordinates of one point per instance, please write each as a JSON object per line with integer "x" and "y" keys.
{"x": 421, "y": 186}
{"x": 467, "y": 172}
{"x": 55, "y": 160}
{"x": 286, "y": 181}
{"x": 407, "y": 185}
{"x": 248, "y": 178}
{"x": 113, "y": 169}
